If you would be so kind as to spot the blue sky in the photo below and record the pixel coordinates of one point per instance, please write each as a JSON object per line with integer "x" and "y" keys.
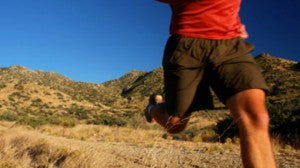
{"x": 97, "y": 40}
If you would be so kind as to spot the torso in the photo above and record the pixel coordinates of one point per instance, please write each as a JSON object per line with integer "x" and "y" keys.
{"x": 208, "y": 19}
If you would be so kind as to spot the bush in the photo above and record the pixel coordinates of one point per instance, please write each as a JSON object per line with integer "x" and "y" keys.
{"x": 105, "y": 119}
{"x": 59, "y": 96}
{"x": 8, "y": 116}
{"x": 19, "y": 86}
{"x": 226, "y": 128}
{"x": 45, "y": 120}
{"x": 37, "y": 102}
{"x": 284, "y": 123}
{"x": 285, "y": 119}
{"x": 79, "y": 113}
{"x": 33, "y": 121}
{"x": 64, "y": 121}
{"x": 2, "y": 85}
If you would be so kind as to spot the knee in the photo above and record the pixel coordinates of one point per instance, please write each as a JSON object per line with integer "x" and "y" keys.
{"x": 255, "y": 120}
{"x": 249, "y": 110}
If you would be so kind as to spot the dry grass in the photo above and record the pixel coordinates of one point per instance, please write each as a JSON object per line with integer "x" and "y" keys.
{"x": 104, "y": 133}
{"x": 28, "y": 149}
{"x": 87, "y": 146}
{"x": 48, "y": 147}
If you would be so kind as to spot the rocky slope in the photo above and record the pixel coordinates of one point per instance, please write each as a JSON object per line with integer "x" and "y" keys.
{"x": 23, "y": 90}
{"x": 282, "y": 76}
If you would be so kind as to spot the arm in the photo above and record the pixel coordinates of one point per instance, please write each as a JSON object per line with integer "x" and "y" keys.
{"x": 243, "y": 32}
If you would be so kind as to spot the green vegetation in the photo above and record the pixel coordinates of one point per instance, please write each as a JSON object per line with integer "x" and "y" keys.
{"x": 284, "y": 123}
{"x": 105, "y": 119}
{"x": 19, "y": 86}
{"x": 59, "y": 96}
{"x": 8, "y": 116}
{"x": 2, "y": 85}
{"x": 285, "y": 119}
{"x": 47, "y": 93}
{"x": 47, "y": 120}
{"x": 120, "y": 102}
{"x": 226, "y": 128}
{"x": 79, "y": 112}
{"x": 194, "y": 134}
{"x": 18, "y": 97}
{"x": 37, "y": 121}
{"x": 37, "y": 102}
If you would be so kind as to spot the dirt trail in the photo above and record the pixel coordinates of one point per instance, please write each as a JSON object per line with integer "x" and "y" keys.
{"x": 156, "y": 154}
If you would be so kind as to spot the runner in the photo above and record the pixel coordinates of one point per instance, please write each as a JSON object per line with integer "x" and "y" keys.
{"x": 206, "y": 49}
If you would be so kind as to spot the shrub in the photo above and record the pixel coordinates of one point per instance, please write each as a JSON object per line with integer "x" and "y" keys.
{"x": 19, "y": 86}
{"x": 284, "y": 123}
{"x": 8, "y": 116}
{"x": 226, "y": 128}
{"x": 33, "y": 121}
{"x": 79, "y": 113}
{"x": 59, "y": 95}
{"x": 11, "y": 98}
{"x": 47, "y": 93}
{"x": 44, "y": 120}
{"x": 285, "y": 119}
{"x": 2, "y": 85}
{"x": 37, "y": 100}
{"x": 64, "y": 121}
{"x": 105, "y": 119}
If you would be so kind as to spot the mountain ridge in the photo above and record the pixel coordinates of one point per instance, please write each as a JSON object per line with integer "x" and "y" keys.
{"x": 22, "y": 89}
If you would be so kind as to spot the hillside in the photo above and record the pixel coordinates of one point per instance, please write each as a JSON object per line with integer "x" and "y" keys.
{"x": 23, "y": 90}
{"x": 78, "y": 124}
{"x": 283, "y": 78}
{"x": 28, "y": 92}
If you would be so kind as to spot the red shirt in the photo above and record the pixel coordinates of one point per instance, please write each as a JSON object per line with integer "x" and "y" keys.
{"x": 208, "y": 19}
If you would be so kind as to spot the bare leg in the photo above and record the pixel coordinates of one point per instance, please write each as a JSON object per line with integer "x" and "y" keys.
{"x": 249, "y": 112}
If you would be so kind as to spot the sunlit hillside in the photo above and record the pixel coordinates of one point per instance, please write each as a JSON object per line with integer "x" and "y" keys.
{"x": 48, "y": 120}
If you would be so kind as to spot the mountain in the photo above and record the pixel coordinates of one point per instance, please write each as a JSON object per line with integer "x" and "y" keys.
{"x": 24, "y": 91}
{"x": 283, "y": 78}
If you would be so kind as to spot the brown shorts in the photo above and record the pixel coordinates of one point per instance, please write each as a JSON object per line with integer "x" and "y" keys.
{"x": 192, "y": 65}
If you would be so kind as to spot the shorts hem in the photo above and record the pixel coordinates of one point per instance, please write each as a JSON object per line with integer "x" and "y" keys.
{"x": 225, "y": 98}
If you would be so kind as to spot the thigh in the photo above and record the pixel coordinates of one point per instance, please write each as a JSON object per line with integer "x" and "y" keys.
{"x": 180, "y": 90}
{"x": 183, "y": 73}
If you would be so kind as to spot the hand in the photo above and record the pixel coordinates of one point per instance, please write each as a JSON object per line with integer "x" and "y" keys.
{"x": 243, "y": 32}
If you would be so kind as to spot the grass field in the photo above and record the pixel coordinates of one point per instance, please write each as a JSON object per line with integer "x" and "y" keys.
{"x": 90, "y": 146}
